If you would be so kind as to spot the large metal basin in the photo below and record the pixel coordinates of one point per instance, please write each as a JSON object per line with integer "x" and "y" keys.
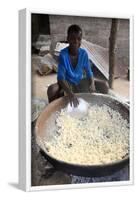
{"x": 82, "y": 170}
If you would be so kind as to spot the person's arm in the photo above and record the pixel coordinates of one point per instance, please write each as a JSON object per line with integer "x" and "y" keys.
{"x": 72, "y": 97}
{"x": 61, "y": 76}
{"x": 91, "y": 84}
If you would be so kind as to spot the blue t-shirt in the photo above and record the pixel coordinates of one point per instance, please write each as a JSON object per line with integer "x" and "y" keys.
{"x": 67, "y": 72}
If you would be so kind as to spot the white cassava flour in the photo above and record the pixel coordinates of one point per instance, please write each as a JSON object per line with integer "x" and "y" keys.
{"x": 101, "y": 136}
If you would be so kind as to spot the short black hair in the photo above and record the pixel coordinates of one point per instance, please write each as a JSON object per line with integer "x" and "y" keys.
{"x": 74, "y": 29}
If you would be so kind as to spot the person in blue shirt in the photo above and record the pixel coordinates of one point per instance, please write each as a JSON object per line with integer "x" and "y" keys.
{"x": 74, "y": 71}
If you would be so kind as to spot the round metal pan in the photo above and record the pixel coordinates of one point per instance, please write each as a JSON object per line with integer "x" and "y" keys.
{"x": 48, "y": 115}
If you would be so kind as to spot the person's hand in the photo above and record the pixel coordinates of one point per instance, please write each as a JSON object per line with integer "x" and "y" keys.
{"x": 73, "y": 99}
{"x": 92, "y": 88}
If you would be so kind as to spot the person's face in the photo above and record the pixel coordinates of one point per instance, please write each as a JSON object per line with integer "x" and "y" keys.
{"x": 74, "y": 40}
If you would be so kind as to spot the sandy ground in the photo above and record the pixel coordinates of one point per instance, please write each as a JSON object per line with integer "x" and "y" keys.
{"x": 41, "y": 83}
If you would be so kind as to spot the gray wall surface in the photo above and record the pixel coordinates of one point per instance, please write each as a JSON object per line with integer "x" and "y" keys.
{"x": 95, "y": 30}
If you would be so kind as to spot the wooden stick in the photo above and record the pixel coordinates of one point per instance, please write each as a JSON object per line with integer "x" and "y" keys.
{"x": 112, "y": 50}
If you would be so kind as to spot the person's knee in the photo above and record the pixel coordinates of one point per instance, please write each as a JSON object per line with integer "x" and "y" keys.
{"x": 105, "y": 87}
{"x": 52, "y": 92}
{"x": 102, "y": 86}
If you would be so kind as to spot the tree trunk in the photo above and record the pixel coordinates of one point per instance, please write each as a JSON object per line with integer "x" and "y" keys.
{"x": 112, "y": 50}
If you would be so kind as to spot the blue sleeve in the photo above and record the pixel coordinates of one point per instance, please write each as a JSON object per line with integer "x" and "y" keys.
{"x": 61, "y": 74}
{"x": 87, "y": 66}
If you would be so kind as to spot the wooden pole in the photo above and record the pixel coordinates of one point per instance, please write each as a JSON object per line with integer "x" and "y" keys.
{"x": 112, "y": 50}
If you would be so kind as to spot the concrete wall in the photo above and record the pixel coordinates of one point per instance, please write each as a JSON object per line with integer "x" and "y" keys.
{"x": 95, "y": 30}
